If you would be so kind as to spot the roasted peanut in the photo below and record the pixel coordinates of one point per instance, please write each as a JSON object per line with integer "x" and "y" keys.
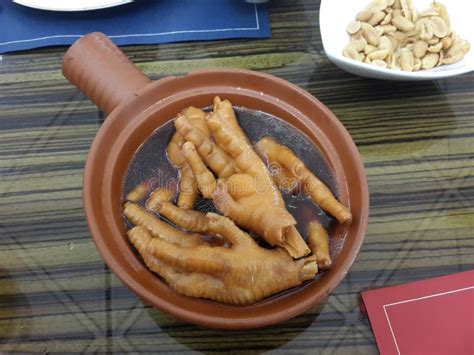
{"x": 439, "y": 27}
{"x": 379, "y": 31}
{"x": 425, "y": 28}
{"x": 446, "y": 42}
{"x": 389, "y": 28}
{"x": 393, "y": 40}
{"x": 394, "y": 62}
{"x": 376, "y": 18}
{"x": 387, "y": 19}
{"x": 457, "y": 51}
{"x": 377, "y": 5}
{"x": 379, "y": 63}
{"x": 369, "y": 49}
{"x": 406, "y": 60}
{"x": 435, "y": 48}
{"x": 451, "y": 59}
{"x": 420, "y": 48}
{"x": 417, "y": 64}
{"x": 397, "y": 12}
{"x": 403, "y": 24}
{"x": 388, "y": 59}
{"x": 441, "y": 58}
{"x": 364, "y": 15}
{"x": 350, "y": 52}
{"x": 379, "y": 54}
{"x": 359, "y": 45}
{"x": 357, "y": 36}
{"x": 353, "y": 27}
{"x": 401, "y": 37}
{"x": 385, "y": 43}
{"x": 407, "y": 7}
{"x": 370, "y": 35}
{"x": 430, "y": 60}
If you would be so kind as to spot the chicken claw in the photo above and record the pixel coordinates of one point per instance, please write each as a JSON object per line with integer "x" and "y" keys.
{"x": 254, "y": 213}
{"x": 240, "y": 199}
{"x": 158, "y": 228}
{"x": 138, "y": 193}
{"x": 319, "y": 243}
{"x": 315, "y": 188}
{"x": 224, "y": 112}
{"x": 241, "y": 274}
{"x": 284, "y": 180}
{"x": 251, "y": 199}
{"x": 197, "y": 118}
{"x": 205, "y": 180}
{"x": 211, "y": 154}
{"x": 193, "y": 221}
{"x": 241, "y": 185}
{"x": 187, "y": 181}
{"x": 160, "y": 194}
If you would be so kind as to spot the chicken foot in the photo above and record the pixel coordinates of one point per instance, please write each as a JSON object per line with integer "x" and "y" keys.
{"x": 243, "y": 273}
{"x": 320, "y": 194}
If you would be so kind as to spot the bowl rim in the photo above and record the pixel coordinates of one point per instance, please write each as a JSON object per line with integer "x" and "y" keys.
{"x": 141, "y": 106}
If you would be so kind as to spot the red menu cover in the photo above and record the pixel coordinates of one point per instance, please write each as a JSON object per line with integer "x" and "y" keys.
{"x": 434, "y": 316}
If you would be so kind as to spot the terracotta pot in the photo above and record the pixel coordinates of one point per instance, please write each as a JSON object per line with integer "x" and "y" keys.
{"x": 137, "y": 106}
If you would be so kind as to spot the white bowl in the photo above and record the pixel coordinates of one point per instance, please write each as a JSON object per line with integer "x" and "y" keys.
{"x": 334, "y": 15}
{"x": 71, "y": 5}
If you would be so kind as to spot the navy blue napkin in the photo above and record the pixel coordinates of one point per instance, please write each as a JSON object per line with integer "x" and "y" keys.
{"x": 140, "y": 22}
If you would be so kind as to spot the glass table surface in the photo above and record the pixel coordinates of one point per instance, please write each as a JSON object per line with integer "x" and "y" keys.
{"x": 56, "y": 294}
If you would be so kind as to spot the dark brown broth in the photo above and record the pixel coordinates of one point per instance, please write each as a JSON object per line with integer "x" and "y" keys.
{"x": 150, "y": 164}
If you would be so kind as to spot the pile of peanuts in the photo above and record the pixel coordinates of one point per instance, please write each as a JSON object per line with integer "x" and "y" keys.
{"x": 393, "y": 34}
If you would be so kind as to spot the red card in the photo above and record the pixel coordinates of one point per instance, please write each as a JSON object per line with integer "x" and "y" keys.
{"x": 434, "y": 316}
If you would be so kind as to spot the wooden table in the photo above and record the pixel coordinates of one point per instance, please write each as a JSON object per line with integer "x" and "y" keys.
{"x": 56, "y": 294}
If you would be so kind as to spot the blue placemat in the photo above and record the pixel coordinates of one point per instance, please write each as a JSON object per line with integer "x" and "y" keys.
{"x": 141, "y": 22}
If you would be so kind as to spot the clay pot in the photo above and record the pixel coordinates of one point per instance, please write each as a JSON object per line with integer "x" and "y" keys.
{"x": 136, "y": 106}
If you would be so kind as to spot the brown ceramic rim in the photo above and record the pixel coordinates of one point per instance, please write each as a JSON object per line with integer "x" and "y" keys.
{"x": 132, "y": 122}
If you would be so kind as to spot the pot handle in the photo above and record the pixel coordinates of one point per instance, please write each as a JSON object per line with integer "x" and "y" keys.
{"x": 96, "y": 66}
